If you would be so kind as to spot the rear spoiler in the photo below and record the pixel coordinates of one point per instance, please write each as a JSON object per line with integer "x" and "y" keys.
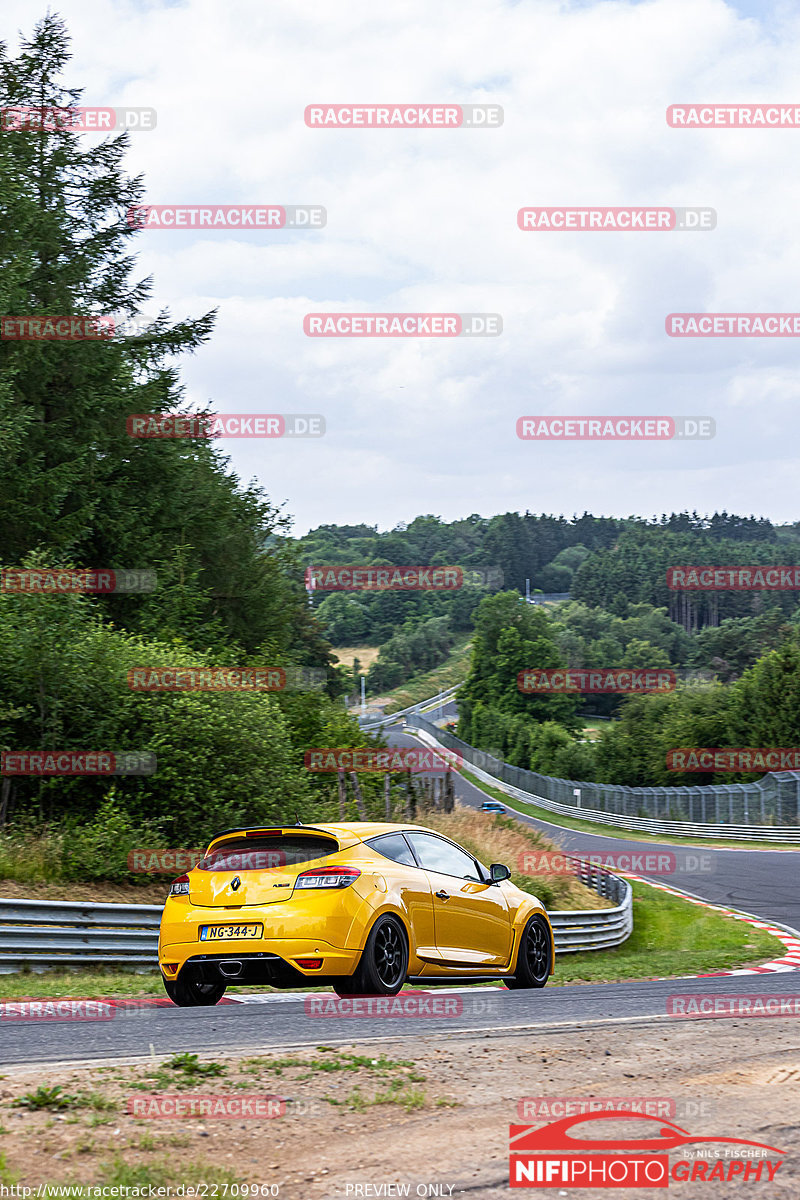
{"x": 344, "y": 842}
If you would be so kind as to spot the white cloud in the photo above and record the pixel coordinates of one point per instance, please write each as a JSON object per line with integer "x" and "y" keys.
{"x": 426, "y": 220}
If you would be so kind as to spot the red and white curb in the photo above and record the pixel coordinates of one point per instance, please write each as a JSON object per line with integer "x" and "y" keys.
{"x": 788, "y": 962}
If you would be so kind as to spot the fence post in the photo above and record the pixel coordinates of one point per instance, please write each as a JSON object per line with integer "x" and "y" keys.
{"x": 359, "y": 798}
{"x": 342, "y": 794}
{"x": 5, "y": 792}
{"x": 387, "y": 795}
{"x": 411, "y": 800}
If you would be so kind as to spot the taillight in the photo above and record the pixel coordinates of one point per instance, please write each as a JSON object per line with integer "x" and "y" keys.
{"x": 180, "y": 887}
{"x": 327, "y": 877}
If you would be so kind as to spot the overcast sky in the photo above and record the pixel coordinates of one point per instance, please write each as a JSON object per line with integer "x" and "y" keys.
{"x": 425, "y": 220}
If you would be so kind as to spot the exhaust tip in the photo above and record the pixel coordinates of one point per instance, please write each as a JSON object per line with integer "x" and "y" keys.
{"x": 230, "y": 967}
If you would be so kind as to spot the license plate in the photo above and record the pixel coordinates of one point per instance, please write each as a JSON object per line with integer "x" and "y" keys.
{"x": 214, "y": 933}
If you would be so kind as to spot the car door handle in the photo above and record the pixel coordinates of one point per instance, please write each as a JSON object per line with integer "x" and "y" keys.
{"x": 442, "y": 895}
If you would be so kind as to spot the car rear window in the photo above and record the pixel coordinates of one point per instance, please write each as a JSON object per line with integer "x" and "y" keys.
{"x": 263, "y": 853}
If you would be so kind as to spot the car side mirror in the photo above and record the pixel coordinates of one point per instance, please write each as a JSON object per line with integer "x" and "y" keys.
{"x": 499, "y": 872}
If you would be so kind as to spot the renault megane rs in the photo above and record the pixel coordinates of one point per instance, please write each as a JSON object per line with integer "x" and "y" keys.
{"x": 361, "y": 907}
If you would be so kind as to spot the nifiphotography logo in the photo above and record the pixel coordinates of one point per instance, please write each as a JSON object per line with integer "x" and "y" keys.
{"x": 555, "y": 1156}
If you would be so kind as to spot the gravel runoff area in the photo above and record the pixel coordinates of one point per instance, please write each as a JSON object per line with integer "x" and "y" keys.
{"x": 427, "y": 1112}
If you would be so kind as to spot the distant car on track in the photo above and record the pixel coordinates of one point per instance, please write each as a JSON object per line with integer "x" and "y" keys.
{"x": 361, "y": 907}
{"x": 492, "y": 806}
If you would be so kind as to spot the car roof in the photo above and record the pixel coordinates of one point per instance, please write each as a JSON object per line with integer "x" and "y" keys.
{"x": 370, "y": 829}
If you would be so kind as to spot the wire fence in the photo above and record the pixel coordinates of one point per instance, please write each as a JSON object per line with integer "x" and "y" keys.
{"x": 773, "y": 801}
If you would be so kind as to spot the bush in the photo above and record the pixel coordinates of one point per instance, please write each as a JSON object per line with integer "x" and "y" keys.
{"x": 223, "y": 758}
{"x": 99, "y": 849}
{"x": 414, "y": 649}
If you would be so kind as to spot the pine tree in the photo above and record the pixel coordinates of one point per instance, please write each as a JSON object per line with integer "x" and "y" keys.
{"x": 73, "y": 483}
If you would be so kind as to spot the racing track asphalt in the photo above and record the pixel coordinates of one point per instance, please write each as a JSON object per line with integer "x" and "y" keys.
{"x": 763, "y": 882}
{"x": 280, "y": 1021}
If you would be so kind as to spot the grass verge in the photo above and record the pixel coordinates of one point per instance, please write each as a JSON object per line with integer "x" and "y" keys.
{"x": 452, "y": 671}
{"x": 671, "y": 937}
{"x": 108, "y": 1136}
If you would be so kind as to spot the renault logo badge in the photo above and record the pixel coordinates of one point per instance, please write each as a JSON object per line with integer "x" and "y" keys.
{"x": 236, "y": 883}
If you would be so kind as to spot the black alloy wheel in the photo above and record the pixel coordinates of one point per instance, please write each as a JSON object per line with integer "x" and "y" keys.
{"x": 383, "y": 966}
{"x": 189, "y": 991}
{"x": 534, "y": 959}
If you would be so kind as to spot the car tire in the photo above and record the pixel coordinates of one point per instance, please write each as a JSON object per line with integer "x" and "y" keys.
{"x": 344, "y": 986}
{"x": 383, "y": 965}
{"x": 187, "y": 991}
{"x": 534, "y": 958}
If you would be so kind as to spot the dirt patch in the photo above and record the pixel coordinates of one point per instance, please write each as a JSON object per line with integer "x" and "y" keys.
{"x": 366, "y": 655}
{"x": 418, "y": 1111}
{"x": 97, "y": 893}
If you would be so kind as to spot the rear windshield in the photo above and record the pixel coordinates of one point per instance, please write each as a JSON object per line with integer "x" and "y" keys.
{"x": 263, "y": 853}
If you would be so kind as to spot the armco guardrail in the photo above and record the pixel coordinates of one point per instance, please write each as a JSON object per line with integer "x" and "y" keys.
{"x": 49, "y": 933}
{"x": 381, "y": 722}
{"x": 595, "y": 929}
{"x": 780, "y": 789}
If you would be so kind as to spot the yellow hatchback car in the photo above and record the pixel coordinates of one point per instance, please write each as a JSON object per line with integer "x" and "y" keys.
{"x": 361, "y": 907}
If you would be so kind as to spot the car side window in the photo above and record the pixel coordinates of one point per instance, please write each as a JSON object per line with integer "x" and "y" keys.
{"x": 395, "y": 847}
{"x": 435, "y": 854}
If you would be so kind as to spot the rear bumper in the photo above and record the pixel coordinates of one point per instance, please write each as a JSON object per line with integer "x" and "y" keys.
{"x": 246, "y": 968}
{"x": 273, "y": 963}
{"x": 327, "y": 926}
